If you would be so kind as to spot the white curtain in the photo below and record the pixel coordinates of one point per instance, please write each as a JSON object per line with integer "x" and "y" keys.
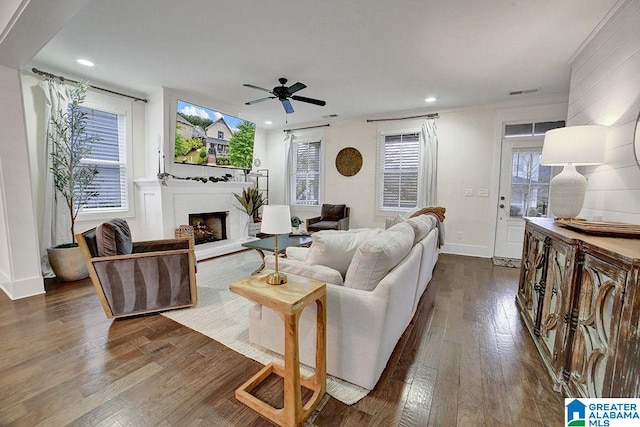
{"x": 56, "y": 222}
{"x": 427, "y": 175}
{"x": 287, "y": 168}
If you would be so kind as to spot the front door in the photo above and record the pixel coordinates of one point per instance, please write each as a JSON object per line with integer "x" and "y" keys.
{"x": 524, "y": 191}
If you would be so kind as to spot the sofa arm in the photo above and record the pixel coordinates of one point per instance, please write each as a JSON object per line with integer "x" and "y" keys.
{"x": 313, "y": 220}
{"x": 300, "y": 268}
{"x": 343, "y": 224}
{"x": 161, "y": 245}
{"x": 297, "y": 253}
{"x": 139, "y": 283}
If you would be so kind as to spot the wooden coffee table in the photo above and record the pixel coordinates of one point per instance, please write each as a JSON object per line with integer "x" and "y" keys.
{"x": 288, "y": 300}
{"x": 267, "y": 244}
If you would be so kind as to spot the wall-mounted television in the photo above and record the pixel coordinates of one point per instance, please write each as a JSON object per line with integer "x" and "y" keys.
{"x": 206, "y": 137}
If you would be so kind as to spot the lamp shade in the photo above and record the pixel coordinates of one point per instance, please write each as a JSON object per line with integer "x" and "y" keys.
{"x": 578, "y": 145}
{"x": 276, "y": 219}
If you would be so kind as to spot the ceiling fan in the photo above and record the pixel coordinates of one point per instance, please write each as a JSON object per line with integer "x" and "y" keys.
{"x": 283, "y": 93}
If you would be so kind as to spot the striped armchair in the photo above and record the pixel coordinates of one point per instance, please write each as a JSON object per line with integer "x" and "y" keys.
{"x": 133, "y": 278}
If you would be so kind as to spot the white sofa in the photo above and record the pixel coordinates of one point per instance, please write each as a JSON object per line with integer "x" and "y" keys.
{"x": 375, "y": 279}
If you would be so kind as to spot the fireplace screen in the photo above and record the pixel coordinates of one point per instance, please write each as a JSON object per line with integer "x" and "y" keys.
{"x": 209, "y": 226}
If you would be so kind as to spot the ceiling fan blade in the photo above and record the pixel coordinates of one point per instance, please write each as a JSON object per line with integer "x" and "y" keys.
{"x": 257, "y": 87}
{"x": 309, "y": 100}
{"x": 287, "y": 106}
{"x": 296, "y": 87}
{"x": 259, "y": 100}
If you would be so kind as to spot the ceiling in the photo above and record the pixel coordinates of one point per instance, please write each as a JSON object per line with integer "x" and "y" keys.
{"x": 362, "y": 57}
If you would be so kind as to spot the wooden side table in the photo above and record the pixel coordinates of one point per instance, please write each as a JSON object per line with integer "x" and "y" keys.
{"x": 288, "y": 301}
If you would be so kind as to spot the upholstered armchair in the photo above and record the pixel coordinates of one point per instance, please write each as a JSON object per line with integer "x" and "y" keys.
{"x": 133, "y": 278}
{"x": 332, "y": 217}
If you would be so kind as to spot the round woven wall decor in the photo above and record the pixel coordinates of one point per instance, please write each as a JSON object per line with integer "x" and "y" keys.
{"x": 349, "y": 161}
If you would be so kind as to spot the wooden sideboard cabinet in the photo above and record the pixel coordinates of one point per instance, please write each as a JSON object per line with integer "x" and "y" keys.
{"x": 578, "y": 296}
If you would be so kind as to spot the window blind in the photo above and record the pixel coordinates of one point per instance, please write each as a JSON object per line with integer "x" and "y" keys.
{"x": 400, "y": 158}
{"x": 306, "y": 170}
{"x": 108, "y": 155}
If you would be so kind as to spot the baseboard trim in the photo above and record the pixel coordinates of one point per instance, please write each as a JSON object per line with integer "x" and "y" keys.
{"x": 466, "y": 250}
{"x": 23, "y": 288}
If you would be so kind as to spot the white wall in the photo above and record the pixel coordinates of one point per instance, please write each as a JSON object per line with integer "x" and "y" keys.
{"x": 20, "y": 261}
{"x": 467, "y": 158}
{"x": 605, "y": 89}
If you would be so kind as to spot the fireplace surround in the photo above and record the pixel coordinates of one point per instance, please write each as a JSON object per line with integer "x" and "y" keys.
{"x": 160, "y": 209}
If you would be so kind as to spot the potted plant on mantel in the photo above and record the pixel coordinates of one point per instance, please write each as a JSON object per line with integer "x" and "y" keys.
{"x": 72, "y": 179}
{"x": 251, "y": 200}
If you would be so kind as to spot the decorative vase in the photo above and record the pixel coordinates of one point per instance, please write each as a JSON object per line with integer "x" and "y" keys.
{"x": 251, "y": 230}
{"x": 67, "y": 263}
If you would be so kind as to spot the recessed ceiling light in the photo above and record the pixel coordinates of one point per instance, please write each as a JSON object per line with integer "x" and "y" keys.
{"x": 85, "y": 62}
{"x": 267, "y": 122}
{"x": 431, "y": 99}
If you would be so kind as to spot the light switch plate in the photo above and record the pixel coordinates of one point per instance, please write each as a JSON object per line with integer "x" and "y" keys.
{"x": 468, "y": 192}
{"x": 483, "y": 192}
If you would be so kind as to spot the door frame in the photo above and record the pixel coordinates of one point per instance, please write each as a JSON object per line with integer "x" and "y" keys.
{"x": 555, "y": 109}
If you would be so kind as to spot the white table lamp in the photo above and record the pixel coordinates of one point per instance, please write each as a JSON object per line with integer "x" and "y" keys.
{"x": 276, "y": 219}
{"x": 570, "y": 147}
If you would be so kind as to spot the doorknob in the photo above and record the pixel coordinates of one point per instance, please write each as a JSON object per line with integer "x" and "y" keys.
{"x": 501, "y": 206}
{"x": 501, "y": 197}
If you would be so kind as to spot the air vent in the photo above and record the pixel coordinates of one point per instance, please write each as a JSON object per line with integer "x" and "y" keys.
{"x": 329, "y": 116}
{"x": 522, "y": 92}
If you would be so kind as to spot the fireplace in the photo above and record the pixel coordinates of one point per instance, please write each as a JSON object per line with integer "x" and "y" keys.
{"x": 209, "y": 226}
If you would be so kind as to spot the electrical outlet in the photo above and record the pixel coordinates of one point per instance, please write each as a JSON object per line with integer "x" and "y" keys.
{"x": 459, "y": 236}
{"x": 468, "y": 192}
{"x": 483, "y": 192}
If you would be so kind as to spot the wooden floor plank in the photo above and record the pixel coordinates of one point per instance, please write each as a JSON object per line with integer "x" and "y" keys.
{"x": 465, "y": 359}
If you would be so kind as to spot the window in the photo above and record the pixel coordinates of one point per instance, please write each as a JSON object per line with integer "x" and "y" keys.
{"x": 109, "y": 157}
{"x": 305, "y": 182}
{"x": 220, "y": 134}
{"x": 398, "y": 165}
{"x": 530, "y": 129}
{"x": 529, "y": 184}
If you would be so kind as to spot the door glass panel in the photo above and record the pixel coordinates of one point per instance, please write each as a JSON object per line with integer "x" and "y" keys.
{"x": 529, "y": 184}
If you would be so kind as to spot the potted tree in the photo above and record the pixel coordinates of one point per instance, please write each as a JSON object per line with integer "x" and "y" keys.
{"x": 72, "y": 178}
{"x": 251, "y": 200}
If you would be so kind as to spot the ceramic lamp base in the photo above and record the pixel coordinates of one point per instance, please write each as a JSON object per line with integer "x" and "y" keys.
{"x": 566, "y": 195}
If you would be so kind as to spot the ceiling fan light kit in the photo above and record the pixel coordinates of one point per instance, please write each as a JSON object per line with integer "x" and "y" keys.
{"x": 284, "y": 94}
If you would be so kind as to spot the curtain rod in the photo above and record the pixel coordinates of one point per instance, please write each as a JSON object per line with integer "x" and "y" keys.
{"x": 62, "y": 79}
{"x": 308, "y": 127}
{"x": 429, "y": 116}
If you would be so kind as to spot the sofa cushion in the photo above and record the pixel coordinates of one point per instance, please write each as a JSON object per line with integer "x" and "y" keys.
{"x": 301, "y": 268}
{"x": 325, "y": 225}
{"x": 114, "y": 238}
{"x": 377, "y": 256}
{"x": 421, "y": 226}
{"x": 335, "y": 249}
{"x": 332, "y": 212}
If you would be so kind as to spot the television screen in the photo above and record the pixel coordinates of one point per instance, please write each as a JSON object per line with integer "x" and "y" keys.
{"x": 207, "y": 137}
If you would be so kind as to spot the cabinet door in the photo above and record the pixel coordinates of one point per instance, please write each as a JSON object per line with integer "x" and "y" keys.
{"x": 594, "y": 324}
{"x": 531, "y": 275}
{"x": 554, "y": 306}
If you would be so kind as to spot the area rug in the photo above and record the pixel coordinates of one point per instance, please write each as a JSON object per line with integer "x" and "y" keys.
{"x": 224, "y": 317}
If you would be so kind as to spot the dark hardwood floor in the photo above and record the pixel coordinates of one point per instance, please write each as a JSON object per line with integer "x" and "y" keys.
{"x": 466, "y": 361}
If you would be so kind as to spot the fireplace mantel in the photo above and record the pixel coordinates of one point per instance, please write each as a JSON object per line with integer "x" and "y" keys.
{"x": 164, "y": 207}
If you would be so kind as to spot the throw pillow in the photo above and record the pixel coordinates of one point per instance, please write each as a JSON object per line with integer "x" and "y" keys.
{"x": 114, "y": 238}
{"x": 335, "y": 249}
{"x": 421, "y": 226}
{"x": 390, "y": 222}
{"x": 377, "y": 256}
{"x": 332, "y": 212}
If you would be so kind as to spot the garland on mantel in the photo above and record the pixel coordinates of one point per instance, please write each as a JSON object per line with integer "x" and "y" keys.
{"x": 164, "y": 177}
